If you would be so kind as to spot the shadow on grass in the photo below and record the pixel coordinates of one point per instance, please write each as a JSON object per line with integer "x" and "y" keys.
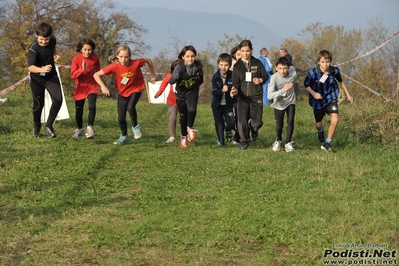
{"x": 82, "y": 193}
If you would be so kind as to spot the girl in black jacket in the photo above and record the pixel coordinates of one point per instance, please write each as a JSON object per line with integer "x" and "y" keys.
{"x": 188, "y": 76}
{"x": 248, "y": 76}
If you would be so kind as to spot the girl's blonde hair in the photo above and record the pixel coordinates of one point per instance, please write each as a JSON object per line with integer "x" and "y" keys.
{"x": 123, "y": 47}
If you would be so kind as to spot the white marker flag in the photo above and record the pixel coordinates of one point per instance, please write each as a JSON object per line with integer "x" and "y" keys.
{"x": 63, "y": 113}
{"x": 153, "y": 89}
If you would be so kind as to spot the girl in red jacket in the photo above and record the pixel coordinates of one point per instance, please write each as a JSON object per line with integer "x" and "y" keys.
{"x": 129, "y": 82}
{"x": 170, "y": 102}
{"x": 83, "y": 66}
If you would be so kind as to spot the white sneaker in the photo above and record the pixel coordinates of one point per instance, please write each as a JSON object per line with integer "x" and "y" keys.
{"x": 136, "y": 132}
{"x": 183, "y": 142}
{"x": 170, "y": 140}
{"x": 276, "y": 146}
{"x": 235, "y": 142}
{"x": 89, "y": 132}
{"x": 191, "y": 134}
{"x": 288, "y": 147}
{"x": 3, "y": 100}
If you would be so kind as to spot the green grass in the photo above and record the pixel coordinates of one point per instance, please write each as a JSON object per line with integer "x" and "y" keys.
{"x": 90, "y": 202}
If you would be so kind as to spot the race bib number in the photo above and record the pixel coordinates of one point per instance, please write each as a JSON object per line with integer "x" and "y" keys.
{"x": 323, "y": 78}
{"x": 248, "y": 76}
{"x": 125, "y": 80}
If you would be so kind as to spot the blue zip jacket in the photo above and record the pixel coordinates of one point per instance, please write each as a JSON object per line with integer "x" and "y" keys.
{"x": 217, "y": 86}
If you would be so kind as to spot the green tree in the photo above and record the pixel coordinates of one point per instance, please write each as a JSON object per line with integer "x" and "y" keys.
{"x": 343, "y": 44}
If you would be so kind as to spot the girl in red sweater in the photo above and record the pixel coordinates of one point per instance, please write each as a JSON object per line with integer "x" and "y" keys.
{"x": 83, "y": 66}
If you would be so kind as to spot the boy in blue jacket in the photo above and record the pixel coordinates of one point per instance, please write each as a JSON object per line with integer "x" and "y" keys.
{"x": 221, "y": 102}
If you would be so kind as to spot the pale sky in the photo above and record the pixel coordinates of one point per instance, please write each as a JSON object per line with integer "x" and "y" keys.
{"x": 293, "y": 15}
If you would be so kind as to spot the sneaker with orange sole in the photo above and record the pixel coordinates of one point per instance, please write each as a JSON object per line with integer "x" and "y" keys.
{"x": 183, "y": 142}
{"x": 191, "y": 134}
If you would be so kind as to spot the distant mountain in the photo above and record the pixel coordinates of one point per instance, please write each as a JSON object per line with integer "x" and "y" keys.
{"x": 198, "y": 28}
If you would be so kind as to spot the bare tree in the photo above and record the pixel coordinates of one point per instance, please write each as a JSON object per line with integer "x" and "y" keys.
{"x": 385, "y": 75}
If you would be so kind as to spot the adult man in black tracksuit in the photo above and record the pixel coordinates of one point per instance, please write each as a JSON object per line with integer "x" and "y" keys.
{"x": 248, "y": 76}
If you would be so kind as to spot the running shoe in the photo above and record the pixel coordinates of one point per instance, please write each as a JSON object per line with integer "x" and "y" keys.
{"x": 170, "y": 139}
{"x": 122, "y": 140}
{"x": 3, "y": 100}
{"x": 191, "y": 134}
{"x": 136, "y": 132}
{"x": 288, "y": 147}
{"x": 235, "y": 142}
{"x": 36, "y": 132}
{"x": 243, "y": 146}
{"x": 276, "y": 145}
{"x": 89, "y": 132}
{"x": 50, "y": 132}
{"x": 183, "y": 142}
{"x": 78, "y": 133}
{"x": 326, "y": 146}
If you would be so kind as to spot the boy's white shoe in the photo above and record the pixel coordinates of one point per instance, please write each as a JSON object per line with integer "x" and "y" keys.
{"x": 3, "y": 100}
{"x": 288, "y": 147}
{"x": 276, "y": 145}
{"x": 89, "y": 132}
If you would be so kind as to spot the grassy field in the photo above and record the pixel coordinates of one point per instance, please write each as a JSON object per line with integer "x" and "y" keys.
{"x": 89, "y": 202}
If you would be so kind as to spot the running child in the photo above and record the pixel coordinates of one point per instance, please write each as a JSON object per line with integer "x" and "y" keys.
{"x": 41, "y": 57}
{"x": 322, "y": 84}
{"x": 221, "y": 102}
{"x": 129, "y": 82}
{"x": 170, "y": 101}
{"x": 248, "y": 76}
{"x": 83, "y": 66}
{"x": 281, "y": 91}
{"x": 188, "y": 77}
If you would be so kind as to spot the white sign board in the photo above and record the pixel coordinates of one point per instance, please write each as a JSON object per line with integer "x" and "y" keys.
{"x": 153, "y": 89}
{"x": 63, "y": 113}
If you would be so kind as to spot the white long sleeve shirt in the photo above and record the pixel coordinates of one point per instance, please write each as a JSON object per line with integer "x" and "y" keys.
{"x": 281, "y": 98}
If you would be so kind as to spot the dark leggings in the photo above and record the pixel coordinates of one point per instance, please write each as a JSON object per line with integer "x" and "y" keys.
{"x": 224, "y": 119}
{"x": 127, "y": 104}
{"x": 79, "y": 107}
{"x": 188, "y": 111}
{"x": 53, "y": 87}
{"x": 279, "y": 117}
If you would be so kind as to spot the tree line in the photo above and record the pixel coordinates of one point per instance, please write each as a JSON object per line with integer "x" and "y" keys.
{"x": 73, "y": 20}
